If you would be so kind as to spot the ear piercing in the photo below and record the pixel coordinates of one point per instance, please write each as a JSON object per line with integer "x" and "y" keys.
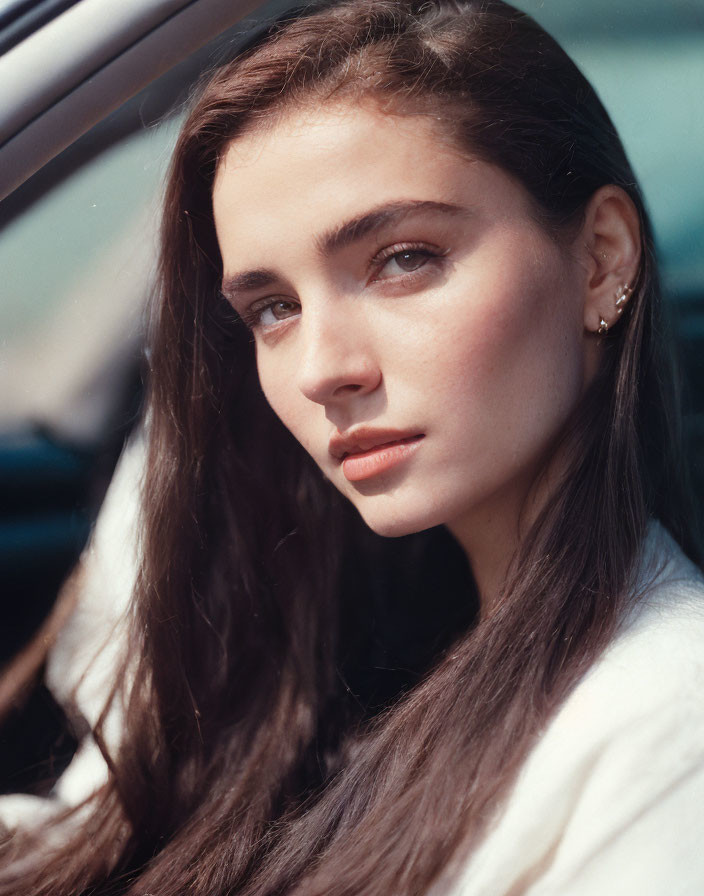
{"x": 622, "y": 296}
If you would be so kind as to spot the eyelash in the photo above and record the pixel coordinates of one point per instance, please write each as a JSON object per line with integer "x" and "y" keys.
{"x": 252, "y": 315}
{"x": 390, "y": 252}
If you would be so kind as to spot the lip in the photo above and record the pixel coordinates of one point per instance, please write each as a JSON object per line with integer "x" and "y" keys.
{"x": 365, "y": 452}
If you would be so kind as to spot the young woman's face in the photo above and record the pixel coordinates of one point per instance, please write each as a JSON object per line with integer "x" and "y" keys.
{"x": 415, "y": 329}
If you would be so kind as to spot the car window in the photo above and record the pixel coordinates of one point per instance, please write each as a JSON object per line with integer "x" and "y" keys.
{"x": 77, "y": 254}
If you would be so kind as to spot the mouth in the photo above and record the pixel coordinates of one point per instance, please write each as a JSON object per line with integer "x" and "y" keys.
{"x": 367, "y": 453}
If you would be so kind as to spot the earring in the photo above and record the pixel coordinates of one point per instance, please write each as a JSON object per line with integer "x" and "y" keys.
{"x": 622, "y": 296}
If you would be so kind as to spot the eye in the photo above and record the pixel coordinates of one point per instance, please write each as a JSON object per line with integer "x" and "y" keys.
{"x": 397, "y": 261}
{"x": 269, "y": 313}
{"x": 408, "y": 261}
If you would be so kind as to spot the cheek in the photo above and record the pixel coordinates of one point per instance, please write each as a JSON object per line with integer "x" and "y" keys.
{"x": 514, "y": 366}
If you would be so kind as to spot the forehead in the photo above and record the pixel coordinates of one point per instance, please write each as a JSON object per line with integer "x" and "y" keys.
{"x": 333, "y": 119}
{"x": 337, "y": 141}
{"x": 310, "y": 169}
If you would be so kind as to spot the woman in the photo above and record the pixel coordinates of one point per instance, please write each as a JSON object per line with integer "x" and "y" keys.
{"x": 403, "y": 248}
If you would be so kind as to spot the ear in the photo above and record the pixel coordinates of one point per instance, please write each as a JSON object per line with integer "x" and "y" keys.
{"x": 612, "y": 241}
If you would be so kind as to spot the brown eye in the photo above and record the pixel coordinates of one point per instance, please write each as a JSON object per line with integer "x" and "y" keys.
{"x": 272, "y": 313}
{"x": 410, "y": 261}
{"x": 404, "y": 261}
{"x": 282, "y": 310}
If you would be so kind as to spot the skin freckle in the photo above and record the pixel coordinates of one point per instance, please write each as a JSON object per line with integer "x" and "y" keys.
{"x": 465, "y": 354}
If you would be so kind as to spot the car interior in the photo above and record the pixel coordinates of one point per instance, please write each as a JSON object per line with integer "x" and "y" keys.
{"x": 93, "y": 94}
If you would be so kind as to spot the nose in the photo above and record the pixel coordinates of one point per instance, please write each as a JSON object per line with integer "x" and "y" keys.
{"x": 338, "y": 359}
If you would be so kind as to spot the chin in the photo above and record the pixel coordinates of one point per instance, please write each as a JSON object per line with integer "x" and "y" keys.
{"x": 397, "y": 528}
{"x": 394, "y": 521}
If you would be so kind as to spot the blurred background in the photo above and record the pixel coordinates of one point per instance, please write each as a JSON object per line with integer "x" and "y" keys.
{"x": 77, "y": 255}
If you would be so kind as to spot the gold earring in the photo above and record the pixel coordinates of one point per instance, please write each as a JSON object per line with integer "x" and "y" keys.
{"x": 622, "y": 296}
{"x": 603, "y": 327}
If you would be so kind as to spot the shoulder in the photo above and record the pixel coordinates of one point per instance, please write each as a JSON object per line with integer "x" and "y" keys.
{"x": 656, "y": 659}
{"x": 651, "y": 677}
{"x": 627, "y": 748}
{"x": 611, "y": 798}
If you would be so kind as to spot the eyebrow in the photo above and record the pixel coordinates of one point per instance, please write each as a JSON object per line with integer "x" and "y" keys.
{"x": 352, "y": 231}
{"x": 344, "y": 235}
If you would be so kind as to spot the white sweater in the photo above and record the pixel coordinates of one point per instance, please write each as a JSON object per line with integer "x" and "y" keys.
{"x": 610, "y": 801}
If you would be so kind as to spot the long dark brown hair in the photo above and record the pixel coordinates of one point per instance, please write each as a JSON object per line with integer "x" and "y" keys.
{"x": 266, "y": 751}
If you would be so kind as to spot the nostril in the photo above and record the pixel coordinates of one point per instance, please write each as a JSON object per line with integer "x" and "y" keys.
{"x": 325, "y": 375}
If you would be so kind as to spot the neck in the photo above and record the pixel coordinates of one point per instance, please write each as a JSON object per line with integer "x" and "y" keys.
{"x": 491, "y": 533}
{"x": 489, "y": 541}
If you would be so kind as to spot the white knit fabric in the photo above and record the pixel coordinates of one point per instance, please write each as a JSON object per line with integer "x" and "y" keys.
{"x": 611, "y": 799}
